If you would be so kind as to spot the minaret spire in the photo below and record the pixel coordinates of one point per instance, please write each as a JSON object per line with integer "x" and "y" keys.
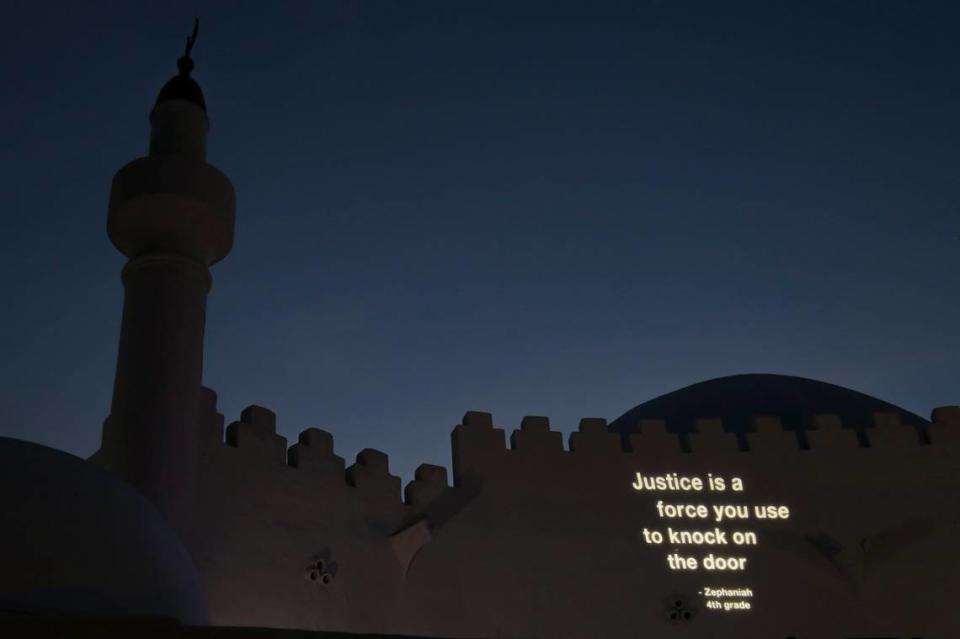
{"x": 172, "y": 214}
{"x": 185, "y": 63}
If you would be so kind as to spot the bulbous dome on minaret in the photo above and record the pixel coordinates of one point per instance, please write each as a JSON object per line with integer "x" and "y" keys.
{"x": 182, "y": 86}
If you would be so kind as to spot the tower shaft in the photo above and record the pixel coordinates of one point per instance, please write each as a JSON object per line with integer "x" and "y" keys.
{"x": 156, "y": 391}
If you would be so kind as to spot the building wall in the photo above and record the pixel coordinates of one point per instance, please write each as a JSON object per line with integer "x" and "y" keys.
{"x": 538, "y": 540}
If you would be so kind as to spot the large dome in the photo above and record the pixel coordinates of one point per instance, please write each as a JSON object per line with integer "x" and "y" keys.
{"x": 737, "y": 399}
{"x": 76, "y": 539}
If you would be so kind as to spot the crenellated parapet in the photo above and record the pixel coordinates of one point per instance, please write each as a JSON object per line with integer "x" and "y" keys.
{"x": 250, "y": 458}
{"x": 480, "y": 450}
{"x": 535, "y": 453}
{"x": 477, "y": 443}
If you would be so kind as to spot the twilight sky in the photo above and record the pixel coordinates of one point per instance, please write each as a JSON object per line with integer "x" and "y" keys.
{"x": 546, "y": 208}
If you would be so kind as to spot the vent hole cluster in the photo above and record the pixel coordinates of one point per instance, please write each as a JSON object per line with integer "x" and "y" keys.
{"x": 319, "y": 573}
{"x": 678, "y": 610}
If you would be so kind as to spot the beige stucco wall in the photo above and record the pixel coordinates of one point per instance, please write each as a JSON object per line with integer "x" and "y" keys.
{"x": 538, "y": 540}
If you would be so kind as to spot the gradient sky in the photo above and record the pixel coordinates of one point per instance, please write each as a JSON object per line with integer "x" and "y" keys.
{"x": 542, "y": 208}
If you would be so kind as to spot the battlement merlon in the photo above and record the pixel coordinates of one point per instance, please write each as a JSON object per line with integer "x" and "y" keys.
{"x": 944, "y": 429}
{"x": 256, "y": 435}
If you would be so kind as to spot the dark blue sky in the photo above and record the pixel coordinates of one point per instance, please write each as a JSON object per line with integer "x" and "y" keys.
{"x": 552, "y": 208}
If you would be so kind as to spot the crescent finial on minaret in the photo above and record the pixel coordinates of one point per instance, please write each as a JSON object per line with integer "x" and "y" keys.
{"x": 185, "y": 63}
{"x": 182, "y": 86}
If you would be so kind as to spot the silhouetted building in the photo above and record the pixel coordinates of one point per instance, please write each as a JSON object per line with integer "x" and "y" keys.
{"x": 747, "y": 506}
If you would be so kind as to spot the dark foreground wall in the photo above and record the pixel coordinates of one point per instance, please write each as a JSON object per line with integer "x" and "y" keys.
{"x": 34, "y": 627}
{"x": 850, "y": 538}
{"x": 14, "y": 625}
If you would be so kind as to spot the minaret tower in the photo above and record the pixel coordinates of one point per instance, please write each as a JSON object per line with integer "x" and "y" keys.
{"x": 172, "y": 215}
